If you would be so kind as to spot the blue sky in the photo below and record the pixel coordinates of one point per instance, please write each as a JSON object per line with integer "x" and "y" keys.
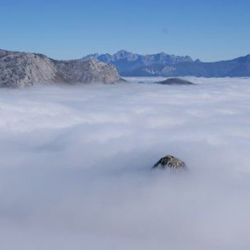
{"x": 209, "y": 30}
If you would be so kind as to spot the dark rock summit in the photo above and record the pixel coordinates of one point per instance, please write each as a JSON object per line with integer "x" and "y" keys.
{"x": 175, "y": 81}
{"x": 20, "y": 69}
{"x": 169, "y": 162}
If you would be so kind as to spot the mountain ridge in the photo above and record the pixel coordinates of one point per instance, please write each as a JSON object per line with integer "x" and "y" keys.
{"x": 20, "y": 69}
{"x": 163, "y": 64}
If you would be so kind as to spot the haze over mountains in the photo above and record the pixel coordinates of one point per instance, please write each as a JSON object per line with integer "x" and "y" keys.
{"x": 162, "y": 64}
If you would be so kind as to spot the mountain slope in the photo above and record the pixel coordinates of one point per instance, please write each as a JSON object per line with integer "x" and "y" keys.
{"x": 19, "y": 69}
{"x": 238, "y": 67}
{"x": 129, "y": 64}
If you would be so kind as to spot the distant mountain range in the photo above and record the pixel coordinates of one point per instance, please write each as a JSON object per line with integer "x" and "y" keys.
{"x": 162, "y": 64}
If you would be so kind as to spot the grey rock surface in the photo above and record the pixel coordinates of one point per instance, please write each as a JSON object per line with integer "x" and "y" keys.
{"x": 170, "y": 162}
{"x": 20, "y": 69}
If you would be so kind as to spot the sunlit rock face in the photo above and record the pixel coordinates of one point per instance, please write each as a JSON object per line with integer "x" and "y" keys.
{"x": 24, "y": 69}
{"x": 170, "y": 162}
{"x": 19, "y": 69}
{"x": 87, "y": 71}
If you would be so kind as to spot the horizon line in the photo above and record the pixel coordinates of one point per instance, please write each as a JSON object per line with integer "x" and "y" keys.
{"x": 124, "y": 50}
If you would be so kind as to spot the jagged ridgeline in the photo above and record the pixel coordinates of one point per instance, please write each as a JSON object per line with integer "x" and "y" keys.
{"x": 20, "y": 69}
{"x": 162, "y": 64}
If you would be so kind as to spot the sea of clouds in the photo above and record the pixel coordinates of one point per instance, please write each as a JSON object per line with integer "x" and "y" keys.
{"x": 75, "y": 166}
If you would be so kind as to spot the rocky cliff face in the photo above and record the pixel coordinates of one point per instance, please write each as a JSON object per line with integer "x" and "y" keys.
{"x": 19, "y": 69}
{"x": 88, "y": 71}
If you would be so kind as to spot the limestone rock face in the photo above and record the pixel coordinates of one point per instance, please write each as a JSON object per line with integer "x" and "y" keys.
{"x": 19, "y": 69}
{"x": 170, "y": 162}
{"x": 87, "y": 71}
{"x": 24, "y": 69}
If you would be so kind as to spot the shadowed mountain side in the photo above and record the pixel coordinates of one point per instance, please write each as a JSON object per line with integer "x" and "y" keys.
{"x": 162, "y": 64}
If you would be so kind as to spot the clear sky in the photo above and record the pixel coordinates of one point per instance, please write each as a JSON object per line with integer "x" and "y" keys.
{"x": 209, "y": 30}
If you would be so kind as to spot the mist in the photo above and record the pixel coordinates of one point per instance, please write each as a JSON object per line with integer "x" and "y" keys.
{"x": 75, "y": 166}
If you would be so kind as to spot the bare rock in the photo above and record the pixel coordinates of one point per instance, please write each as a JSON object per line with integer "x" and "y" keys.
{"x": 87, "y": 71}
{"x": 19, "y": 69}
{"x": 170, "y": 162}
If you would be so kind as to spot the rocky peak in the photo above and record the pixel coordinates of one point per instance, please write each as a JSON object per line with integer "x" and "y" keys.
{"x": 19, "y": 69}
{"x": 170, "y": 162}
{"x": 127, "y": 63}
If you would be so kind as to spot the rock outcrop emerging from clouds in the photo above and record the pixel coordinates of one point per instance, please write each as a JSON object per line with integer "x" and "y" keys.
{"x": 175, "y": 81}
{"x": 20, "y": 69}
{"x": 170, "y": 162}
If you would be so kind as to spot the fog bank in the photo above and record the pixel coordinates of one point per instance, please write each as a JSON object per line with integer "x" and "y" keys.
{"x": 75, "y": 166}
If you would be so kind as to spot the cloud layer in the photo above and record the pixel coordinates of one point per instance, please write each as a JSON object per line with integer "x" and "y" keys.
{"x": 75, "y": 166}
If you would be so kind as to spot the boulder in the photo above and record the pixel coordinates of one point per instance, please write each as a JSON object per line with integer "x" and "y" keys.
{"x": 169, "y": 162}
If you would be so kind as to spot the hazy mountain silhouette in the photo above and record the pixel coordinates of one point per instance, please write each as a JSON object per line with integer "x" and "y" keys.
{"x": 162, "y": 64}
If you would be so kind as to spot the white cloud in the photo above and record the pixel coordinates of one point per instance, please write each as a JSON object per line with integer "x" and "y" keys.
{"x": 75, "y": 166}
